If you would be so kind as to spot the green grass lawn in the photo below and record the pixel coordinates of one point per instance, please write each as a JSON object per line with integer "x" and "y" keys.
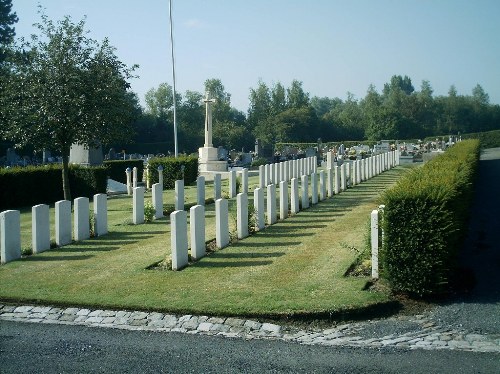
{"x": 295, "y": 267}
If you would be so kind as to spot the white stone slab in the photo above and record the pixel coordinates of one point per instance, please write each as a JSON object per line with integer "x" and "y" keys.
{"x": 179, "y": 194}
{"x": 134, "y": 177}
{"x": 138, "y": 206}
{"x": 101, "y": 214}
{"x": 81, "y": 221}
{"x": 283, "y": 199}
{"x": 232, "y": 184}
{"x": 271, "y": 204}
{"x": 128, "y": 173}
{"x": 197, "y": 230}
{"x": 314, "y": 188}
{"x": 244, "y": 181}
{"x": 305, "y": 191}
{"x": 217, "y": 186}
{"x": 242, "y": 215}
{"x": 294, "y": 197}
{"x": 329, "y": 182}
{"x": 258, "y": 204}
{"x": 200, "y": 190}
{"x": 336, "y": 174}
{"x": 322, "y": 185}
{"x": 221, "y": 223}
{"x": 63, "y": 222}
{"x": 262, "y": 176}
{"x": 374, "y": 243}
{"x": 10, "y": 235}
{"x": 40, "y": 228}
{"x": 157, "y": 197}
{"x": 178, "y": 239}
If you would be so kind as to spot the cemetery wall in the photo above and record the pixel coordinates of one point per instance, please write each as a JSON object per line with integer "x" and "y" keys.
{"x": 32, "y": 185}
{"x": 425, "y": 220}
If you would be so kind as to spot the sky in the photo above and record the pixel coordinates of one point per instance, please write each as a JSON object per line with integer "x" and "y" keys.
{"x": 332, "y": 46}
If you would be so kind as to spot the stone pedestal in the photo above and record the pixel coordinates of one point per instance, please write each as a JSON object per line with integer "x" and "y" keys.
{"x": 208, "y": 160}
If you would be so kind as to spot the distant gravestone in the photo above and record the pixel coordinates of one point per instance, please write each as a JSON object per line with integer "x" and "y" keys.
{"x": 87, "y": 156}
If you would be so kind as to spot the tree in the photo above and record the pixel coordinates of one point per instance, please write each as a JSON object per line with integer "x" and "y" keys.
{"x": 65, "y": 88}
{"x": 7, "y": 32}
{"x": 296, "y": 97}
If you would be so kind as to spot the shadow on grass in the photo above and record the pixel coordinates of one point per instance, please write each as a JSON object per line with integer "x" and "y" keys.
{"x": 57, "y": 258}
{"x": 247, "y": 255}
{"x": 265, "y": 244}
{"x": 230, "y": 264}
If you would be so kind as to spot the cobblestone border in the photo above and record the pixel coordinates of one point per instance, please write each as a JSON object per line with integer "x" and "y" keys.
{"x": 427, "y": 335}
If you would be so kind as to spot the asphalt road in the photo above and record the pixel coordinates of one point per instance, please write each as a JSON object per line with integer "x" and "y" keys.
{"x": 43, "y": 348}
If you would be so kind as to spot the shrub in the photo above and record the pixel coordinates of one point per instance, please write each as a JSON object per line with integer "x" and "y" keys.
{"x": 149, "y": 212}
{"x": 259, "y": 161}
{"x": 116, "y": 169}
{"x": 425, "y": 221}
{"x": 28, "y": 186}
{"x": 172, "y": 170}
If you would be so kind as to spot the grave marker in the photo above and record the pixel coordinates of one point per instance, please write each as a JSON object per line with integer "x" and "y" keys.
{"x": 178, "y": 239}
{"x": 197, "y": 229}
{"x": 63, "y": 222}
{"x": 40, "y": 228}
{"x": 10, "y": 235}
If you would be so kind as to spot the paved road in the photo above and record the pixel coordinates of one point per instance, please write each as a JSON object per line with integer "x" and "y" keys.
{"x": 462, "y": 335}
{"x": 42, "y": 348}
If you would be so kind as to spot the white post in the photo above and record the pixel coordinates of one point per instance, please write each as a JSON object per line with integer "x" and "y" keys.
{"x": 271, "y": 204}
{"x": 63, "y": 222}
{"x": 244, "y": 181}
{"x": 221, "y": 223}
{"x": 242, "y": 215}
{"x": 314, "y": 188}
{"x": 258, "y": 204}
{"x": 232, "y": 184}
{"x": 295, "y": 207}
{"x": 322, "y": 185}
{"x": 272, "y": 167}
{"x": 217, "y": 186}
{"x": 374, "y": 243}
{"x": 128, "y": 172}
{"x": 305, "y": 191}
{"x": 197, "y": 229}
{"x": 157, "y": 197}
{"x": 138, "y": 206}
{"x": 40, "y": 228}
{"x": 160, "y": 176}
{"x": 287, "y": 171}
{"x": 10, "y": 235}
{"x": 262, "y": 176}
{"x": 134, "y": 178}
{"x": 178, "y": 239}
{"x": 179, "y": 194}
{"x": 277, "y": 169}
{"x": 200, "y": 190}
{"x": 329, "y": 178}
{"x": 101, "y": 214}
{"x": 283, "y": 199}
{"x": 82, "y": 226}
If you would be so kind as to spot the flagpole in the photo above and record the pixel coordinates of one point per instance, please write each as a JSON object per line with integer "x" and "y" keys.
{"x": 173, "y": 78}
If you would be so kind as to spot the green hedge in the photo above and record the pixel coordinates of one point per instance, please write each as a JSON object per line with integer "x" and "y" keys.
{"x": 172, "y": 170}
{"x": 116, "y": 169}
{"x": 425, "y": 221}
{"x": 28, "y": 186}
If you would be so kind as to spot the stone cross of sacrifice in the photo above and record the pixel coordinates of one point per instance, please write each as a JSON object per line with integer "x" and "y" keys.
{"x": 208, "y": 119}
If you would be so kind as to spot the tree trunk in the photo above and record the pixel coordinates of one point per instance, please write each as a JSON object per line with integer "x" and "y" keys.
{"x": 65, "y": 175}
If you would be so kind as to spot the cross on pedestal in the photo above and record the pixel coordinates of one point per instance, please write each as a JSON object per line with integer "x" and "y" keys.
{"x": 208, "y": 119}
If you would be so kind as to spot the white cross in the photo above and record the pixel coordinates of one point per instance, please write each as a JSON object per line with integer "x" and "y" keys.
{"x": 208, "y": 119}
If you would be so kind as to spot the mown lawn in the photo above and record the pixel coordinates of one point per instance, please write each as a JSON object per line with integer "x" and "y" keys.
{"x": 295, "y": 267}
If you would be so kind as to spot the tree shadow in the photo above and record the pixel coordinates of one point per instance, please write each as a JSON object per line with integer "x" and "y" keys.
{"x": 57, "y": 258}
{"x": 230, "y": 264}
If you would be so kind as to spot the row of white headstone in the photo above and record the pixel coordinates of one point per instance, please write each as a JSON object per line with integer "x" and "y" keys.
{"x": 338, "y": 178}
{"x": 10, "y": 225}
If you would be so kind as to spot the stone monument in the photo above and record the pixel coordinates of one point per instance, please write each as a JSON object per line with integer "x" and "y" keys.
{"x": 84, "y": 155}
{"x": 208, "y": 160}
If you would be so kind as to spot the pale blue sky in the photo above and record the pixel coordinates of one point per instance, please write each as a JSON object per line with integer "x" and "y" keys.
{"x": 332, "y": 46}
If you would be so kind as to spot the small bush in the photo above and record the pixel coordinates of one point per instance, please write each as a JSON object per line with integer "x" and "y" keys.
{"x": 149, "y": 212}
{"x": 172, "y": 170}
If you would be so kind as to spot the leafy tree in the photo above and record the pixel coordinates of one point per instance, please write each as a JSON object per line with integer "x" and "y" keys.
{"x": 296, "y": 97}
{"x": 65, "y": 88}
{"x": 7, "y": 31}
{"x": 278, "y": 98}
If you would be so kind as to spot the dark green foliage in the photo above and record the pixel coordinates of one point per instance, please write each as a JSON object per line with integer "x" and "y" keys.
{"x": 425, "y": 221}
{"x": 116, "y": 169}
{"x": 24, "y": 187}
{"x": 488, "y": 139}
{"x": 172, "y": 170}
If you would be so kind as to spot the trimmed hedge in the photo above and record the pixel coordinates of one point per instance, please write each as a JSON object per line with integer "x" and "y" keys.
{"x": 116, "y": 169}
{"x": 425, "y": 221}
{"x": 28, "y": 186}
{"x": 172, "y": 170}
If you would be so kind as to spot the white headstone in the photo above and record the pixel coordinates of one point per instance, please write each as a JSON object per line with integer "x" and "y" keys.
{"x": 329, "y": 179}
{"x": 40, "y": 228}
{"x": 10, "y": 235}
{"x": 101, "y": 214}
{"x": 343, "y": 177}
{"x": 314, "y": 188}
{"x": 217, "y": 186}
{"x": 305, "y": 191}
{"x": 221, "y": 223}
{"x": 128, "y": 172}
{"x": 244, "y": 181}
{"x": 197, "y": 229}
{"x": 179, "y": 194}
{"x": 63, "y": 222}
{"x": 322, "y": 185}
{"x": 82, "y": 226}
{"x": 178, "y": 239}
{"x": 138, "y": 206}
{"x": 283, "y": 199}
{"x": 258, "y": 204}
{"x": 232, "y": 184}
{"x": 134, "y": 177}
{"x": 374, "y": 243}
{"x": 157, "y": 197}
{"x": 267, "y": 178}
{"x": 242, "y": 215}
{"x": 160, "y": 176}
{"x": 262, "y": 176}
{"x": 200, "y": 190}
{"x": 337, "y": 179}
{"x": 271, "y": 204}
{"x": 294, "y": 203}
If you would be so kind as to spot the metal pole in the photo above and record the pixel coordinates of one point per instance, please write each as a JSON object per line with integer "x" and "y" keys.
{"x": 173, "y": 77}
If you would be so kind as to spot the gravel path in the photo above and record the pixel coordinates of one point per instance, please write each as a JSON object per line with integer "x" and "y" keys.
{"x": 469, "y": 322}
